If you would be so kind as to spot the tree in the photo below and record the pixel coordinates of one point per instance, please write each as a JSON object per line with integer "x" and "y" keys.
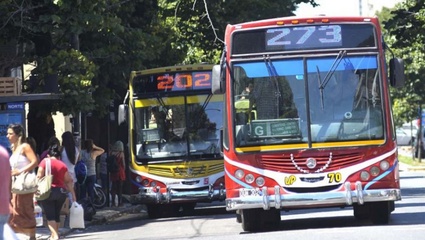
{"x": 406, "y": 37}
{"x": 93, "y": 45}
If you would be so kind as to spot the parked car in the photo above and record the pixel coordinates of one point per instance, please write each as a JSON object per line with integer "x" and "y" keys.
{"x": 411, "y": 128}
{"x": 403, "y": 139}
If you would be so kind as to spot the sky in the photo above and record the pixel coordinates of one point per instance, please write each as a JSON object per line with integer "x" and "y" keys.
{"x": 345, "y": 7}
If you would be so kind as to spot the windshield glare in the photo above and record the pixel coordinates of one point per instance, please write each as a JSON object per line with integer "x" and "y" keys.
{"x": 172, "y": 129}
{"x": 338, "y": 100}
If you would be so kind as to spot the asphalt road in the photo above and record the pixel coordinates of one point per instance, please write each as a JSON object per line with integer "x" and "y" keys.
{"x": 214, "y": 222}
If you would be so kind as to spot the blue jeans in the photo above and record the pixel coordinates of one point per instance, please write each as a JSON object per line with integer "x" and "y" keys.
{"x": 87, "y": 189}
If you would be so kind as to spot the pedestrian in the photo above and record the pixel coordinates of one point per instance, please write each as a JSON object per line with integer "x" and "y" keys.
{"x": 23, "y": 159}
{"x": 52, "y": 141}
{"x": 118, "y": 177}
{"x": 62, "y": 184}
{"x": 5, "y": 231}
{"x": 89, "y": 153}
{"x": 70, "y": 155}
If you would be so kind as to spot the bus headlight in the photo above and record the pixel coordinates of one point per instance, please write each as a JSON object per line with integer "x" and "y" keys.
{"x": 260, "y": 181}
{"x": 138, "y": 179}
{"x": 374, "y": 171}
{"x": 364, "y": 176}
{"x": 145, "y": 182}
{"x": 249, "y": 178}
{"x": 153, "y": 184}
{"x": 239, "y": 174}
{"x": 384, "y": 165}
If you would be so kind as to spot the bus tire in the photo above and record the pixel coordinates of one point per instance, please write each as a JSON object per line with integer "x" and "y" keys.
{"x": 254, "y": 220}
{"x": 380, "y": 212}
{"x": 251, "y": 219}
{"x": 361, "y": 212}
{"x": 153, "y": 211}
{"x": 188, "y": 208}
{"x": 271, "y": 218}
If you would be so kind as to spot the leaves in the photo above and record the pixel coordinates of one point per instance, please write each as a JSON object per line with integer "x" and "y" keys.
{"x": 93, "y": 45}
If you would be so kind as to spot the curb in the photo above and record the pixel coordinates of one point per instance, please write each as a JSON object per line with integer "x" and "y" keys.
{"x": 416, "y": 169}
{"x": 107, "y": 215}
{"x": 102, "y": 216}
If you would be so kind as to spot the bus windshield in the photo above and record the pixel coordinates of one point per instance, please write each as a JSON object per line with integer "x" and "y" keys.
{"x": 307, "y": 100}
{"x": 172, "y": 127}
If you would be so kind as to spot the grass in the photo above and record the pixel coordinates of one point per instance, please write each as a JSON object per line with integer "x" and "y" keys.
{"x": 410, "y": 161}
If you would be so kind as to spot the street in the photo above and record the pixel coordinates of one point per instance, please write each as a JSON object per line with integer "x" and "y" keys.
{"x": 407, "y": 222}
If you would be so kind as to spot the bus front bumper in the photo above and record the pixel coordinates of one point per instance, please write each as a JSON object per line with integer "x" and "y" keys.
{"x": 154, "y": 195}
{"x": 307, "y": 200}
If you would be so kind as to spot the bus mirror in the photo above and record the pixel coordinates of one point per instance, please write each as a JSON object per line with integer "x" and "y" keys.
{"x": 122, "y": 113}
{"x": 217, "y": 80}
{"x": 397, "y": 77}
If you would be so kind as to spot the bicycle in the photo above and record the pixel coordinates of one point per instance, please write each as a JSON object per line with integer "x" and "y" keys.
{"x": 99, "y": 200}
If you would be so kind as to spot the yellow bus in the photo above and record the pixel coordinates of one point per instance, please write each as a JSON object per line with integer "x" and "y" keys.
{"x": 174, "y": 125}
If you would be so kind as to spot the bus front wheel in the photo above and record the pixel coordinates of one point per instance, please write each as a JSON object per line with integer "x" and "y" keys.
{"x": 254, "y": 220}
{"x": 380, "y": 212}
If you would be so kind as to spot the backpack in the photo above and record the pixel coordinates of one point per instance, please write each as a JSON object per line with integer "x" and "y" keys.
{"x": 112, "y": 163}
{"x": 80, "y": 169}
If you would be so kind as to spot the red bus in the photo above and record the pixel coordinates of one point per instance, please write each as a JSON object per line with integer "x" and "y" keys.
{"x": 316, "y": 129}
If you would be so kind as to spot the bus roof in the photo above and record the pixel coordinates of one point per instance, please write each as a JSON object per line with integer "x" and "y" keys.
{"x": 303, "y": 20}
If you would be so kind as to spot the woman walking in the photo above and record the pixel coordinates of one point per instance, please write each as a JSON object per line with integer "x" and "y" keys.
{"x": 89, "y": 153}
{"x": 118, "y": 177}
{"x": 62, "y": 184}
{"x": 70, "y": 155}
{"x": 23, "y": 159}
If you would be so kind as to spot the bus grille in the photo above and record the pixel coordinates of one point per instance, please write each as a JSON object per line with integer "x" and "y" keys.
{"x": 298, "y": 164}
{"x": 186, "y": 171}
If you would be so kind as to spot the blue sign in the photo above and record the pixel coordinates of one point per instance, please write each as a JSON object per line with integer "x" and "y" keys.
{"x": 6, "y": 118}
{"x": 15, "y": 106}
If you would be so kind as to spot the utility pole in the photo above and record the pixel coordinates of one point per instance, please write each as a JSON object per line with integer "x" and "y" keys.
{"x": 360, "y": 8}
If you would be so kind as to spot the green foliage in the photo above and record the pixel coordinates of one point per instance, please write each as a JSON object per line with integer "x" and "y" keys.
{"x": 405, "y": 35}
{"x": 75, "y": 73}
{"x": 93, "y": 45}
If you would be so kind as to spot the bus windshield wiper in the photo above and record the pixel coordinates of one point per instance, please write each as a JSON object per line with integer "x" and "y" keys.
{"x": 332, "y": 69}
{"x": 328, "y": 75}
{"x": 273, "y": 76}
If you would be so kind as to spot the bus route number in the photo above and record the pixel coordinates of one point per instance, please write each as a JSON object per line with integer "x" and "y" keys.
{"x": 184, "y": 81}
{"x": 334, "y": 177}
{"x": 310, "y": 35}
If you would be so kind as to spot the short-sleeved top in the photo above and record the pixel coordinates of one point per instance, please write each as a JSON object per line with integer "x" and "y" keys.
{"x": 90, "y": 163}
{"x": 68, "y": 163}
{"x": 58, "y": 169}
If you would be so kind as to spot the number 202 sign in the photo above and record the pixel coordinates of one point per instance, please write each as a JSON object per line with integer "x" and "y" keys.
{"x": 184, "y": 81}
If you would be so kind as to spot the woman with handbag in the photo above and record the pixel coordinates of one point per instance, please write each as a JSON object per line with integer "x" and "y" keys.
{"x": 23, "y": 160}
{"x": 62, "y": 183}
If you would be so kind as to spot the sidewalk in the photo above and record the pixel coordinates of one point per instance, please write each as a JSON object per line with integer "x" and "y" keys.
{"x": 102, "y": 216}
{"x": 407, "y": 151}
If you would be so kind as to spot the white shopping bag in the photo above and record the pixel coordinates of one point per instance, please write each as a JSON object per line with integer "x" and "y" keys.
{"x": 76, "y": 216}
